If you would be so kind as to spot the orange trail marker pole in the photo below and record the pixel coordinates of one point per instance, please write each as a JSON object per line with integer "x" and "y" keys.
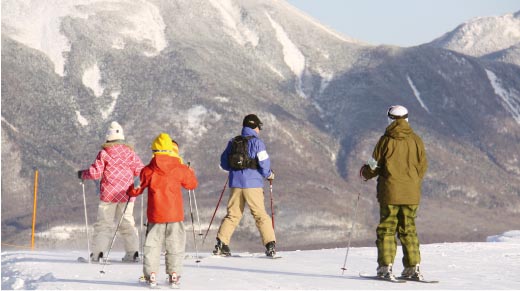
{"x": 34, "y": 208}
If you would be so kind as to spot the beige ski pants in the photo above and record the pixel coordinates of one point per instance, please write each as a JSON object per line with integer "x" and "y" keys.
{"x": 108, "y": 217}
{"x": 172, "y": 236}
{"x": 254, "y": 197}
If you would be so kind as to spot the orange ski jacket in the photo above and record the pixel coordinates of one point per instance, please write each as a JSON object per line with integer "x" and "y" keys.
{"x": 164, "y": 177}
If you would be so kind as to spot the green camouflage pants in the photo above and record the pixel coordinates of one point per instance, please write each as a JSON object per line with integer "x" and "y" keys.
{"x": 398, "y": 219}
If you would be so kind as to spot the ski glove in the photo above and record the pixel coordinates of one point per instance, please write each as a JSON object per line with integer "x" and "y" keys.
{"x": 372, "y": 163}
{"x": 80, "y": 174}
{"x": 271, "y": 177}
{"x": 361, "y": 172}
{"x": 137, "y": 182}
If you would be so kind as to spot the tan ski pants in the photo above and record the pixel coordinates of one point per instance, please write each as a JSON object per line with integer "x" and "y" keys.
{"x": 254, "y": 197}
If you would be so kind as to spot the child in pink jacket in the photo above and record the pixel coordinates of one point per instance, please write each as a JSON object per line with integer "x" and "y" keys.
{"x": 116, "y": 165}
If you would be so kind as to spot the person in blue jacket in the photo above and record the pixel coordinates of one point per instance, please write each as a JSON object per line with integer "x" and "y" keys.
{"x": 246, "y": 186}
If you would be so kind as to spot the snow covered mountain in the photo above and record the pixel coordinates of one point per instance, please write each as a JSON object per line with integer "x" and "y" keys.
{"x": 496, "y": 37}
{"x": 195, "y": 68}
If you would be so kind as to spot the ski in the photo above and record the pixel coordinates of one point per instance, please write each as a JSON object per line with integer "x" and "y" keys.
{"x": 223, "y": 256}
{"x": 417, "y": 280}
{"x": 144, "y": 282}
{"x": 174, "y": 286}
{"x": 247, "y": 256}
{"x": 154, "y": 286}
{"x": 234, "y": 255}
{"x": 84, "y": 260}
{"x": 272, "y": 257}
{"x": 173, "y": 281}
{"x": 371, "y": 277}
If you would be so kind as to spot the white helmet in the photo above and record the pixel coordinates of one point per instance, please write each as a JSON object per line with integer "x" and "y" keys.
{"x": 397, "y": 112}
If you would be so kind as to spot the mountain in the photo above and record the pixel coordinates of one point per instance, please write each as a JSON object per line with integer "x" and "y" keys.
{"x": 509, "y": 55}
{"x": 194, "y": 69}
{"x": 495, "y": 38}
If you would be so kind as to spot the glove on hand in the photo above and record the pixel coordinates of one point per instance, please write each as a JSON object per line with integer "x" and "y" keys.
{"x": 271, "y": 177}
{"x": 372, "y": 163}
{"x": 137, "y": 182}
{"x": 80, "y": 174}
{"x": 361, "y": 172}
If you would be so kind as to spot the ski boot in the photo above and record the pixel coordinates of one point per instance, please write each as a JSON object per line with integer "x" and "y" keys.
{"x": 221, "y": 249}
{"x": 97, "y": 258}
{"x": 144, "y": 279}
{"x": 412, "y": 273}
{"x": 131, "y": 257}
{"x": 152, "y": 280}
{"x": 173, "y": 280}
{"x": 385, "y": 272}
{"x": 270, "y": 250}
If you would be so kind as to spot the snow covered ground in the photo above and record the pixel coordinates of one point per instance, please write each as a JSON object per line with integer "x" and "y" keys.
{"x": 484, "y": 265}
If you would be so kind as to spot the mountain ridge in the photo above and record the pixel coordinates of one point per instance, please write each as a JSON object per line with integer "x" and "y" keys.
{"x": 491, "y": 37}
{"x": 322, "y": 101}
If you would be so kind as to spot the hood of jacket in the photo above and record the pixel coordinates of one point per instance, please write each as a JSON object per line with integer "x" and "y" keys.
{"x": 399, "y": 129}
{"x": 164, "y": 163}
{"x": 110, "y": 144}
{"x": 164, "y": 145}
{"x": 246, "y": 131}
{"x": 117, "y": 150}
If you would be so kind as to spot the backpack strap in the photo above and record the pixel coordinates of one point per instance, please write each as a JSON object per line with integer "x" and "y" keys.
{"x": 253, "y": 164}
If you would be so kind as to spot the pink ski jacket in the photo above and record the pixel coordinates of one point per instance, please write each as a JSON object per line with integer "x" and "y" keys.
{"x": 116, "y": 165}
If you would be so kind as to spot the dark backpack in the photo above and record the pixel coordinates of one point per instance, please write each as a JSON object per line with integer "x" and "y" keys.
{"x": 239, "y": 156}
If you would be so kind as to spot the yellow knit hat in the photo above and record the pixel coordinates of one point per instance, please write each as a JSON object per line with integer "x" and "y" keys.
{"x": 163, "y": 145}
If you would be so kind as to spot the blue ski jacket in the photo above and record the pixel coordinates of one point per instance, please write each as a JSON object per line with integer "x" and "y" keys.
{"x": 248, "y": 178}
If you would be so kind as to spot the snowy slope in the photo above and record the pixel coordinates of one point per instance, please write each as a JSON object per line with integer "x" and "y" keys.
{"x": 37, "y": 24}
{"x": 193, "y": 68}
{"x": 483, "y": 35}
{"x": 490, "y": 265}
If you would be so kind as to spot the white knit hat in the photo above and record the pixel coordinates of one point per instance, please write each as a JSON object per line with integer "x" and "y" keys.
{"x": 115, "y": 132}
{"x": 397, "y": 112}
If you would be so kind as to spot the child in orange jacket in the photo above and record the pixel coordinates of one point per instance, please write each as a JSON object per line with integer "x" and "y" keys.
{"x": 164, "y": 176}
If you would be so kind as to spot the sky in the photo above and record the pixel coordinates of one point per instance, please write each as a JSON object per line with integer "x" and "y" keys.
{"x": 400, "y": 22}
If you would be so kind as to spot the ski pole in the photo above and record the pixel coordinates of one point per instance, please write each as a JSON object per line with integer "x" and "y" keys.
{"x": 141, "y": 238}
{"x": 114, "y": 238}
{"x": 272, "y": 209}
{"x": 86, "y": 220}
{"x": 193, "y": 229}
{"x": 137, "y": 184}
{"x": 216, "y": 208}
{"x": 197, "y": 211}
{"x": 196, "y": 208}
{"x": 350, "y": 234}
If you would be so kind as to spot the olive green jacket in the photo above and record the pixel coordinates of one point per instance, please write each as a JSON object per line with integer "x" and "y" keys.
{"x": 401, "y": 165}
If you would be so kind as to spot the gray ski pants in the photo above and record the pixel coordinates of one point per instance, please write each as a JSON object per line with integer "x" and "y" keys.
{"x": 170, "y": 235}
{"x": 109, "y": 214}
